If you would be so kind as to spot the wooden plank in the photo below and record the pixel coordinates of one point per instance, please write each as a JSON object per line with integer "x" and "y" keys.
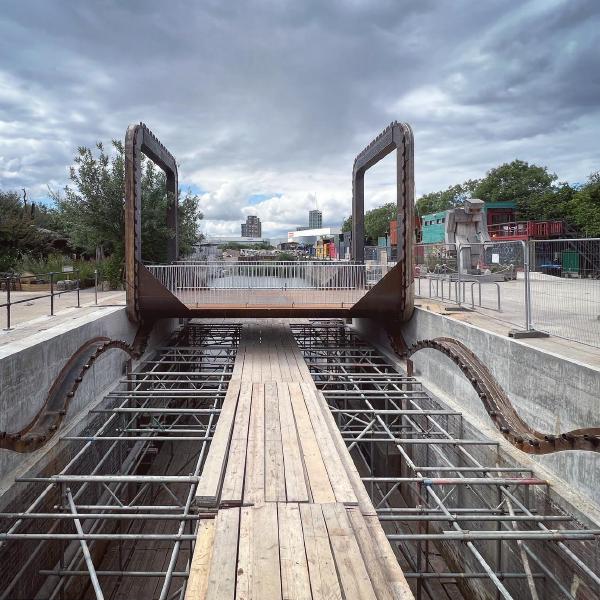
{"x": 364, "y": 501}
{"x": 254, "y": 484}
{"x": 222, "y": 574}
{"x": 387, "y": 560}
{"x": 295, "y": 583}
{"x": 265, "y": 361}
{"x": 351, "y": 568}
{"x": 197, "y": 585}
{"x": 250, "y": 355}
{"x": 318, "y": 478}
{"x": 286, "y": 371}
{"x": 370, "y": 556}
{"x": 295, "y": 479}
{"x": 238, "y": 364}
{"x": 335, "y": 468}
{"x": 274, "y": 360}
{"x": 243, "y": 588}
{"x": 209, "y": 486}
{"x": 296, "y": 353}
{"x": 321, "y": 566}
{"x": 284, "y": 368}
{"x": 274, "y": 465}
{"x": 266, "y": 579}
{"x": 233, "y": 482}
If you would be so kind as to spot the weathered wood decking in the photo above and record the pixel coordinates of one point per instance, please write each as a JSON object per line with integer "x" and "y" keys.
{"x": 293, "y": 519}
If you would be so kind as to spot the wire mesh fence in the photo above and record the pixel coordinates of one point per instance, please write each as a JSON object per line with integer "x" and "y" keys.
{"x": 436, "y": 272}
{"x": 565, "y": 288}
{"x": 381, "y": 254}
{"x": 552, "y": 286}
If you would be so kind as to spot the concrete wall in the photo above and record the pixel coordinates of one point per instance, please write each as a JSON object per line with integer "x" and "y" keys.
{"x": 29, "y": 367}
{"x": 551, "y": 393}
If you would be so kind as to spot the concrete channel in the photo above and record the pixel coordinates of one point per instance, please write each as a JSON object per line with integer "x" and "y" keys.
{"x": 105, "y": 509}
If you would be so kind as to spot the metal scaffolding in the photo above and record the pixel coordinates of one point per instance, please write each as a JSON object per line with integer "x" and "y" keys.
{"x": 458, "y": 512}
{"x": 112, "y": 513}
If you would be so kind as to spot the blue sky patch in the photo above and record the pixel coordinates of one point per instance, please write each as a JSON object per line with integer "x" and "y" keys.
{"x": 195, "y": 189}
{"x": 258, "y": 198}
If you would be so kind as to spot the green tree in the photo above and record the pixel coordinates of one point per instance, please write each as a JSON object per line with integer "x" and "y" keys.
{"x": 449, "y": 198}
{"x": 555, "y": 203}
{"x": 585, "y": 206}
{"x": 26, "y": 229}
{"x": 518, "y": 181}
{"x": 91, "y": 209}
{"x": 347, "y": 224}
{"x": 377, "y": 221}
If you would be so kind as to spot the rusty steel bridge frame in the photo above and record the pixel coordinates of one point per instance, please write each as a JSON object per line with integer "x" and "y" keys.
{"x": 391, "y": 300}
{"x": 399, "y": 137}
{"x": 139, "y": 140}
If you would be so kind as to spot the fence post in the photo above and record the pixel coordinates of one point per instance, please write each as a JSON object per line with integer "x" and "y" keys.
{"x": 458, "y": 266}
{"x": 96, "y": 286}
{"x": 7, "y": 303}
{"x": 527, "y": 284}
{"x": 51, "y": 294}
{"x": 78, "y": 286}
{"x": 529, "y": 332}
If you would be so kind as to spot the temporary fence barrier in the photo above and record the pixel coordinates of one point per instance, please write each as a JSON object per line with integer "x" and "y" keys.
{"x": 540, "y": 286}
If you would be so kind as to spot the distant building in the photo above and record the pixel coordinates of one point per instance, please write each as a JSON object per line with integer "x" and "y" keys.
{"x": 288, "y": 246}
{"x": 236, "y": 240}
{"x": 252, "y": 227}
{"x": 315, "y": 219}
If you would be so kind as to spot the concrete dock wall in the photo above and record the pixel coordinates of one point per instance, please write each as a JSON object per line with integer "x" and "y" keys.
{"x": 550, "y": 392}
{"x": 29, "y": 367}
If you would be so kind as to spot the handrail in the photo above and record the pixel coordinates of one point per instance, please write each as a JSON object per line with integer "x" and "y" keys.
{"x": 13, "y": 279}
{"x": 284, "y": 282}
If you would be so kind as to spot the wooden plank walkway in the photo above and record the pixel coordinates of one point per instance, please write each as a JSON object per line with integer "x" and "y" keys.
{"x": 293, "y": 520}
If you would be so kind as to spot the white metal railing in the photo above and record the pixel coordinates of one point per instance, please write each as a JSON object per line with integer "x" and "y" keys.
{"x": 279, "y": 283}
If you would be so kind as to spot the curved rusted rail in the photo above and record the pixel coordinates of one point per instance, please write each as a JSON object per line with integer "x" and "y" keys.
{"x": 499, "y": 406}
{"x": 47, "y": 421}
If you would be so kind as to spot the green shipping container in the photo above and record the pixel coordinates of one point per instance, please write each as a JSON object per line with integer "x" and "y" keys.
{"x": 434, "y": 227}
{"x": 570, "y": 261}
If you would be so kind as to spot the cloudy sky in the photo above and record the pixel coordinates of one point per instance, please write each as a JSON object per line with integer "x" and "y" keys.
{"x": 265, "y": 104}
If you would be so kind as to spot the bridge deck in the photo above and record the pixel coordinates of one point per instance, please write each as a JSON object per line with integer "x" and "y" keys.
{"x": 293, "y": 519}
{"x": 260, "y": 310}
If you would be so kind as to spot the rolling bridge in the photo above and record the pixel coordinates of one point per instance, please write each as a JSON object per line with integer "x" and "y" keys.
{"x": 267, "y": 289}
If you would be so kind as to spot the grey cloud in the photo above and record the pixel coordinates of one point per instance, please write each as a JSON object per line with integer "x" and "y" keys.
{"x": 279, "y": 96}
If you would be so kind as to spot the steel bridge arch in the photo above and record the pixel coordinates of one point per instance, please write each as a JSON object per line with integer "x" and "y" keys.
{"x": 399, "y": 137}
{"x": 140, "y": 140}
{"x": 500, "y": 408}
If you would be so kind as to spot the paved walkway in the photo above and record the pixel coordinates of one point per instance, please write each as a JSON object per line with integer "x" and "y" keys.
{"x": 32, "y": 317}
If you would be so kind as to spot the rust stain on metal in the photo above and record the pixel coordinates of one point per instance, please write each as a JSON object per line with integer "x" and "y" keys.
{"x": 397, "y": 136}
{"x": 500, "y": 408}
{"x": 49, "y": 418}
{"x": 140, "y": 140}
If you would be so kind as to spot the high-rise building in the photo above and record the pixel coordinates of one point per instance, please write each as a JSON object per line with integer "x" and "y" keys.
{"x": 315, "y": 219}
{"x": 252, "y": 227}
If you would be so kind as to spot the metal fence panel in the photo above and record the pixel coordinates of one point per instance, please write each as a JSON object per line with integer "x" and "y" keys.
{"x": 565, "y": 288}
{"x": 551, "y": 286}
{"x": 436, "y": 272}
{"x": 495, "y": 276}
